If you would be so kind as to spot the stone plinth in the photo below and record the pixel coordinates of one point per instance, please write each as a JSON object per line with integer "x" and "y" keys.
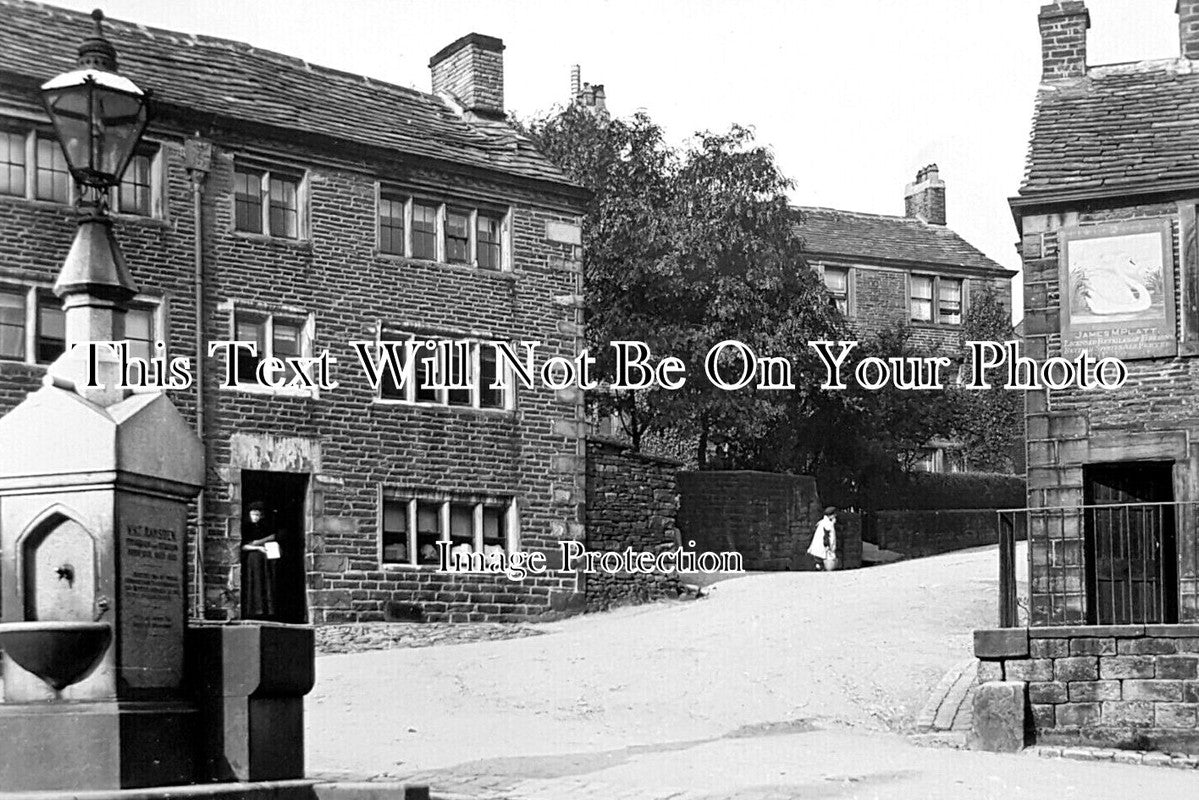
{"x": 250, "y": 680}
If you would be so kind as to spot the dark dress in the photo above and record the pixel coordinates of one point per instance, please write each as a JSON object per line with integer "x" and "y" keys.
{"x": 259, "y": 579}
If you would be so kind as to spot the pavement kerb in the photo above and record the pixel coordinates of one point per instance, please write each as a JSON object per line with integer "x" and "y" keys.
{"x": 1149, "y": 758}
{"x": 927, "y": 718}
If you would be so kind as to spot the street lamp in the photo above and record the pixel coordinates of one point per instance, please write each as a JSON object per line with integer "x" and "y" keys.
{"x": 99, "y": 117}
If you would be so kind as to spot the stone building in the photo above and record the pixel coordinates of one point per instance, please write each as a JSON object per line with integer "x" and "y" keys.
{"x": 883, "y": 270}
{"x": 1107, "y": 219}
{"x": 303, "y": 208}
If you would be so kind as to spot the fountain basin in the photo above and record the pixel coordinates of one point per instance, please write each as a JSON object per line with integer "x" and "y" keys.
{"x": 59, "y": 652}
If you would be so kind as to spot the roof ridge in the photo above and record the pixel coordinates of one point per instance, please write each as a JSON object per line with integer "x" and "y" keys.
{"x": 871, "y": 214}
{"x": 237, "y": 45}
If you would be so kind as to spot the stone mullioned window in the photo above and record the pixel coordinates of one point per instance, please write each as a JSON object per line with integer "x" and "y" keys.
{"x": 447, "y": 231}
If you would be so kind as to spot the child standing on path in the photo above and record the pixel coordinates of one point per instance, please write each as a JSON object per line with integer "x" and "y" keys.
{"x": 824, "y": 540}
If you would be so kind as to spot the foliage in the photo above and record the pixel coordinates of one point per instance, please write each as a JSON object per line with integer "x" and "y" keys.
{"x": 932, "y": 490}
{"x": 687, "y": 248}
{"x": 993, "y": 421}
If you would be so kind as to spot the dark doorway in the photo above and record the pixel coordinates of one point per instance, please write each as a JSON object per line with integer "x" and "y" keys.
{"x": 282, "y": 495}
{"x": 1131, "y": 545}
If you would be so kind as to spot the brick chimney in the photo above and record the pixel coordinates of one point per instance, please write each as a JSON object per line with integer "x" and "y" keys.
{"x": 1064, "y": 39}
{"x": 925, "y": 199}
{"x": 1188, "y": 28}
{"x": 472, "y": 71}
{"x": 592, "y": 98}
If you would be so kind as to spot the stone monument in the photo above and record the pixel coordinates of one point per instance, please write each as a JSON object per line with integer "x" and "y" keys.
{"x": 103, "y": 687}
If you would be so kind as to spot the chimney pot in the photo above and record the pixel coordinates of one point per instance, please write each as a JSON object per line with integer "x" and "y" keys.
{"x": 1064, "y": 39}
{"x": 471, "y": 70}
{"x": 925, "y": 199}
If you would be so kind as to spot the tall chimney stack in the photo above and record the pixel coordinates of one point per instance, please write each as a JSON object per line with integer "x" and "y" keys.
{"x": 1064, "y": 39}
{"x": 925, "y": 199}
{"x": 471, "y": 70}
{"x": 575, "y": 77}
{"x": 1188, "y": 28}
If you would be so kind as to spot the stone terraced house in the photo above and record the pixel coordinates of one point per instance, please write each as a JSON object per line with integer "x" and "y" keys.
{"x": 882, "y": 270}
{"x": 1107, "y": 650}
{"x": 303, "y": 208}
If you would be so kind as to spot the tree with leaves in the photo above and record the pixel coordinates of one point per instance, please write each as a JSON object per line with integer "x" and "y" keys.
{"x": 687, "y": 248}
{"x": 993, "y": 419}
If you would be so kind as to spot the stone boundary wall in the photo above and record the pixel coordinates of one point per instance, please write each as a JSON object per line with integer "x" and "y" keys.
{"x": 927, "y": 533}
{"x": 632, "y": 501}
{"x": 1126, "y": 686}
{"x": 767, "y": 517}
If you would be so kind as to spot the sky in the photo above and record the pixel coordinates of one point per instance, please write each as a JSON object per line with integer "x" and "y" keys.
{"x": 852, "y": 97}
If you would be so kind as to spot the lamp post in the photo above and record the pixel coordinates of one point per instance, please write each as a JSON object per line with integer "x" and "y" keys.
{"x": 99, "y": 117}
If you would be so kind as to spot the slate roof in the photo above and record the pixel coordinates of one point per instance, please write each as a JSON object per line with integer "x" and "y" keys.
{"x": 855, "y": 236}
{"x": 238, "y": 80}
{"x": 1124, "y": 126}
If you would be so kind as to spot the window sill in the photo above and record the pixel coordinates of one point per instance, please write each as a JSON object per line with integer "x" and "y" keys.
{"x": 936, "y": 326}
{"x": 55, "y": 205}
{"x": 484, "y": 412}
{"x": 391, "y": 565}
{"x": 469, "y": 269}
{"x": 139, "y": 219}
{"x": 266, "y": 238}
{"x": 269, "y": 391}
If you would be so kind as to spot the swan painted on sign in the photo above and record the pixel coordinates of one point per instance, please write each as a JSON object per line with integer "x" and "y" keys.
{"x": 1113, "y": 291}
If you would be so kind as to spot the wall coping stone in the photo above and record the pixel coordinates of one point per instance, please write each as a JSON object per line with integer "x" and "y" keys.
{"x": 1184, "y": 631}
{"x": 1001, "y": 643}
{"x": 1088, "y": 631}
{"x": 626, "y": 449}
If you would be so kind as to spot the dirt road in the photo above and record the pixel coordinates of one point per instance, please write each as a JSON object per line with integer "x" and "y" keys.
{"x": 777, "y": 685}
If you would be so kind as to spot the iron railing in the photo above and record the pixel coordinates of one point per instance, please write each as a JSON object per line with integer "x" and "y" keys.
{"x": 1102, "y": 564}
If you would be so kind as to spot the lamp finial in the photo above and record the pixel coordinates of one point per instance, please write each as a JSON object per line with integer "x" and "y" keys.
{"x": 96, "y": 52}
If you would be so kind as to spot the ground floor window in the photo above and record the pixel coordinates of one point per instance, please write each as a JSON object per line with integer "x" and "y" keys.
{"x": 411, "y": 527}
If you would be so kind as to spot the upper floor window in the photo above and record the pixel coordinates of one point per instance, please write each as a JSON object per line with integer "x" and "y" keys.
{"x": 949, "y": 301}
{"x": 53, "y": 178}
{"x": 12, "y": 163}
{"x": 51, "y": 335}
{"x": 435, "y": 231}
{"x": 274, "y": 336}
{"x": 936, "y": 299}
{"x": 32, "y": 165}
{"x": 12, "y": 324}
{"x": 836, "y": 280}
{"x": 134, "y": 195}
{"x": 33, "y": 326}
{"x": 267, "y": 201}
{"x": 470, "y": 370}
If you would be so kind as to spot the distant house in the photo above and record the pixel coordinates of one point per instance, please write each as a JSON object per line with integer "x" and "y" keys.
{"x": 881, "y": 270}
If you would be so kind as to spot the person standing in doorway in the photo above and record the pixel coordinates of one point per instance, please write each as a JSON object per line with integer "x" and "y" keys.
{"x": 824, "y": 541}
{"x": 261, "y": 555}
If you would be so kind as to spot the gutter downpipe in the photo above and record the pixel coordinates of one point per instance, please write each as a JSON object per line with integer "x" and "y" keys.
{"x": 198, "y": 160}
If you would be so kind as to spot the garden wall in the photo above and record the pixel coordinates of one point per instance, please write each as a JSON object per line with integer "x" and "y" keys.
{"x": 632, "y": 501}
{"x": 767, "y": 517}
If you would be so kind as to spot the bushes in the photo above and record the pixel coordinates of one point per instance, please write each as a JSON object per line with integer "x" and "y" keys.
{"x": 935, "y": 490}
